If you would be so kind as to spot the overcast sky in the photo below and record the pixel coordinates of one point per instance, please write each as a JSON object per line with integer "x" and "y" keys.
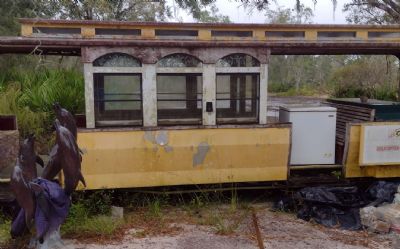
{"x": 323, "y": 11}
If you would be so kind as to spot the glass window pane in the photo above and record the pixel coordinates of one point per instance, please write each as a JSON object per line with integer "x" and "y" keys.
{"x": 223, "y": 91}
{"x": 237, "y": 98}
{"x": 179, "y": 99}
{"x": 122, "y": 88}
{"x": 118, "y": 99}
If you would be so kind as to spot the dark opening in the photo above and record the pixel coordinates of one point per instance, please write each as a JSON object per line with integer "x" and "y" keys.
{"x": 8, "y": 123}
{"x": 179, "y": 99}
{"x": 238, "y": 98}
{"x": 285, "y": 34}
{"x": 231, "y": 33}
{"x": 55, "y": 31}
{"x": 383, "y": 34}
{"x": 118, "y": 99}
{"x": 80, "y": 120}
{"x": 100, "y": 31}
{"x": 173, "y": 32}
{"x": 336, "y": 34}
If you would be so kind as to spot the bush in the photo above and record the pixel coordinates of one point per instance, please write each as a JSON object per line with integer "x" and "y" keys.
{"x": 381, "y": 92}
{"x": 30, "y": 95}
{"x": 278, "y": 87}
{"x": 95, "y": 202}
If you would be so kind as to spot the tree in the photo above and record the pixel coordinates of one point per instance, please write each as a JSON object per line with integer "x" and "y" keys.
{"x": 212, "y": 15}
{"x": 122, "y": 10}
{"x": 287, "y": 15}
{"x": 11, "y": 10}
{"x": 373, "y": 11}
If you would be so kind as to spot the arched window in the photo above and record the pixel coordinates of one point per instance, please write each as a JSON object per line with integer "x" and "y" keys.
{"x": 116, "y": 60}
{"x": 179, "y": 60}
{"x": 238, "y": 92}
{"x": 117, "y": 96}
{"x": 238, "y": 60}
{"x": 179, "y": 91}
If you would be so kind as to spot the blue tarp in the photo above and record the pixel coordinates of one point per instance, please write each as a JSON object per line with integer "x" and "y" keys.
{"x": 52, "y": 206}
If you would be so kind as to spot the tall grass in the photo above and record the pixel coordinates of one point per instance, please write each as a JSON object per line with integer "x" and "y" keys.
{"x": 29, "y": 94}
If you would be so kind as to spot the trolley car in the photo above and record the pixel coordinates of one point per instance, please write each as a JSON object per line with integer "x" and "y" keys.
{"x": 174, "y": 104}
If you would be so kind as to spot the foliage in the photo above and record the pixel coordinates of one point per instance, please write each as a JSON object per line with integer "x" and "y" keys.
{"x": 80, "y": 223}
{"x": 122, "y": 10}
{"x": 95, "y": 202}
{"x": 29, "y": 94}
{"x": 288, "y": 15}
{"x": 264, "y": 4}
{"x": 305, "y": 90}
{"x": 373, "y": 11}
{"x": 212, "y": 15}
{"x": 28, "y": 120}
{"x": 366, "y": 76}
{"x": 4, "y": 230}
{"x": 11, "y": 10}
{"x": 382, "y": 92}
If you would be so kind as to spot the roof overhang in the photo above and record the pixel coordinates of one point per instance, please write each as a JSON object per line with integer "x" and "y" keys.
{"x": 72, "y": 47}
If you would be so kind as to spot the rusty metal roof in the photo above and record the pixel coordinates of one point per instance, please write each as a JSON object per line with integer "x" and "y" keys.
{"x": 72, "y": 46}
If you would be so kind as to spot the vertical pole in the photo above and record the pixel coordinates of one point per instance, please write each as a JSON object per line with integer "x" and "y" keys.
{"x": 209, "y": 93}
{"x": 263, "y": 93}
{"x": 89, "y": 95}
{"x": 149, "y": 95}
{"x": 398, "y": 77}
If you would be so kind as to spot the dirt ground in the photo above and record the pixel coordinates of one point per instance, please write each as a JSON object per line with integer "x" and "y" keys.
{"x": 278, "y": 230}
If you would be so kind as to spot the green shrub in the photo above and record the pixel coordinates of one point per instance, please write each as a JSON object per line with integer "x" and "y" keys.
{"x": 80, "y": 223}
{"x": 30, "y": 95}
{"x": 5, "y": 225}
{"x": 381, "y": 92}
{"x": 279, "y": 87}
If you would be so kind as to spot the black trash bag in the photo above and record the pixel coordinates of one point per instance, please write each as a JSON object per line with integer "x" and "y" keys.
{"x": 336, "y": 196}
{"x": 338, "y": 206}
{"x": 331, "y": 206}
{"x": 348, "y": 219}
{"x": 381, "y": 191}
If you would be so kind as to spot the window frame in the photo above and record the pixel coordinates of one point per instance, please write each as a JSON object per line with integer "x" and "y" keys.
{"x": 181, "y": 121}
{"x": 175, "y": 69}
{"x": 98, "y": 78}
{"x": 252, "y": 117}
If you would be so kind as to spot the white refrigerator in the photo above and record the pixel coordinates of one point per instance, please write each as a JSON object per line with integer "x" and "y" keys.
{"x": 313, "y": 133}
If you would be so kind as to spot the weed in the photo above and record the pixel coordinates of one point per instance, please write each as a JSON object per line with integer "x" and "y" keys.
{"x": 95, "y": 202}
{"x": 154, "y": 208}
{"x": 234, "y": 199}
{"x": 80, "y": 224}
{"x": 4, "y": 231}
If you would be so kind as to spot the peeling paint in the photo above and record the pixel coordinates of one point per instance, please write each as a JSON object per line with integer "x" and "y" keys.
{"x": 168, "y": 149}
{"x": 162, "y": 138}
{"x": 201, "y": 153}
